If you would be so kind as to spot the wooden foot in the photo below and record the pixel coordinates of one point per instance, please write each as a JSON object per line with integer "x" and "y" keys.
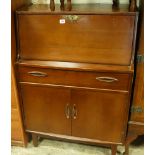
{"x": 35, "y": 139}
{"x": 130, "y": 138}
{"x": 113, "y": 149}
{"x": 126, "y": 150}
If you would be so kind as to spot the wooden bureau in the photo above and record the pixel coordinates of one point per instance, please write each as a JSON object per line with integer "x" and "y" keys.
{"x": 75, "y": 71}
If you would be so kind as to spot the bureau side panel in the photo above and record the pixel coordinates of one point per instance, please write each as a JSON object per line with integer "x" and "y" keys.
{"x": 138, "y": 97}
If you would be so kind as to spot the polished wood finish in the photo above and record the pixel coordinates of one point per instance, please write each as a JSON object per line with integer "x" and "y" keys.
{"x": 73, "y": 139}
{"x": 17, "y": 132}
{"x": 138, "y": 97}
{"x": 76, "y": 66}
{"x": 136, "y": 122}
{"x": 37, "y": 114}
{"x": 15, "y": 4}
{"x": 35, "y": 107}
{"x": 75, "y": 74}
{"x": 13, "y": 92}
{"x": 48, "y": 44}
{"x": 113, "y": 149}
{"x": 130, "y": 138}
{"x": 138, "y": 100}
{"x": 45, "y": 109}
{"x": 85, "y": 79}
{"x": 134, "y": 130}
{"x": 95, "y": 113}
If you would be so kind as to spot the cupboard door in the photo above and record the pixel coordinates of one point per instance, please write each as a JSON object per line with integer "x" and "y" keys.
{"x": 103, "y": 80}
{"x": 99, "y": 115}
{"x": 45, "y": 109}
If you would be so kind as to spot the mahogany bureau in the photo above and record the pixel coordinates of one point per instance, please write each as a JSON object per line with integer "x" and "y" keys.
{"x": 75, "y": 72}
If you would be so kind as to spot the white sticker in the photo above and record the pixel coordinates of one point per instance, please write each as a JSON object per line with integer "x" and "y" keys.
{"x": 62, "y": 21}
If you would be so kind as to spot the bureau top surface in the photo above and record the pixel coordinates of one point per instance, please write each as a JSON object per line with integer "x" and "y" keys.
{"x": 77, "y": 9}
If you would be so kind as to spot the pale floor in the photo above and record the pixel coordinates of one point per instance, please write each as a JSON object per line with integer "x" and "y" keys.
{"x": 50, "y": 147}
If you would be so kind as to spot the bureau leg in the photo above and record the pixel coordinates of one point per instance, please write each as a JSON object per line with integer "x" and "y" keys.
{"x": 35, "y": 139}
{"x": 113, "y": 149}
{"x": 130, "y": 138}
{"x": 126, "y": 150}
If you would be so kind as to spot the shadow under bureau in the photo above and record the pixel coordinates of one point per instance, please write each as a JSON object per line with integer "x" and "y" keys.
{"x": 75, "y": 72}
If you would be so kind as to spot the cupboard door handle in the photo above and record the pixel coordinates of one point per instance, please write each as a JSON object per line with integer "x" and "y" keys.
{"x": 67, "y": 111}
{"x": 38, "y": 74}
{"x": 74, "y": 112}
{"x": 106, "y": 79}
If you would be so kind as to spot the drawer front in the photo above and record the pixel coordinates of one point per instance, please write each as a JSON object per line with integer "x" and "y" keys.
{"x": 107, "y": 118}
{"x": 104, "y": 39}
{"x": 116, "y": 81}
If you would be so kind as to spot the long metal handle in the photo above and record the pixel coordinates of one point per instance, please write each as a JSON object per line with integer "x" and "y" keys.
{"x": 74, "y": 112}
{"x": 106, "y": 79}
{"x": 38, "y": 74}
{"x": 67, "y": 111}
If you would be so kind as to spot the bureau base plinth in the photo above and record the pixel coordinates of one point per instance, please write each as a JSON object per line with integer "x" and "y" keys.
{"x": 36, "y": 136}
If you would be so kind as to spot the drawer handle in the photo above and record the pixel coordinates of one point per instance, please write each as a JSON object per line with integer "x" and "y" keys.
{"x": 38, "y": 74}
{"x": 74, "y": 112}
{"x": 106, "y": 79}
{"x": 67, "y": 111}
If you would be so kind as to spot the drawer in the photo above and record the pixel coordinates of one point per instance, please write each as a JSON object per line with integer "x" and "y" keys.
{"x": 103, "y": 80}
{"x": 106, "y": 39}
